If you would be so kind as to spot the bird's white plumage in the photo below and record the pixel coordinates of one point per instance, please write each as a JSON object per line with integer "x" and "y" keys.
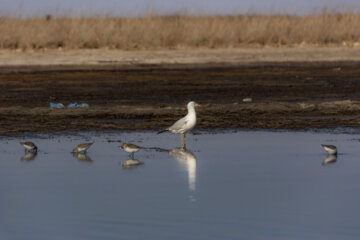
{"x": 186, "y": 123}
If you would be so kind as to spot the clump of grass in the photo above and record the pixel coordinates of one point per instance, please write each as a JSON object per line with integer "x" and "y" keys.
{"x": 180, "y": 31}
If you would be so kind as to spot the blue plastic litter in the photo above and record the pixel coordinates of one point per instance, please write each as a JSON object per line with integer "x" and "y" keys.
{"x": 84, "y": 105}
{"x": 56, "y": 105}
{"x": 76, "y": 105}
{"x": 73, "y": 105}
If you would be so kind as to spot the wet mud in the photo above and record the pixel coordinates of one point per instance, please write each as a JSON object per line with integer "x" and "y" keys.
{"x": 297, "y": 95}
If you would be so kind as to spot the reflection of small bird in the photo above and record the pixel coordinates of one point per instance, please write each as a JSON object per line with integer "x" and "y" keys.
{"x": 131, "y": 163}
{"x": 184, "y": 124}
{"x": 82, "y": 147}
{"x": 29, "y": 146}
{"x": 330, "y": 149}
{"x": 130, "y": 148}
{"x": 82, "y": 157}
{"x": 29, "y": 156}
{"x": 329, "y": 159}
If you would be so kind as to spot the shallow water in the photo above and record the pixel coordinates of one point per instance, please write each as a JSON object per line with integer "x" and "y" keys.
{"x": 229, "y": 185}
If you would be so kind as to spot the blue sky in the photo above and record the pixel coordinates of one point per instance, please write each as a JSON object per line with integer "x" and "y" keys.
{"x": 136, "y": 7}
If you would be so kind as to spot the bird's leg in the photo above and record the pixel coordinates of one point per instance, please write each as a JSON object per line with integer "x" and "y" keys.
{"x": 182, "y": 140}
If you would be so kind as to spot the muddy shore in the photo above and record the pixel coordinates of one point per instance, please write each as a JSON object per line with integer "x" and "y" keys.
{"x": 285, "y": 95}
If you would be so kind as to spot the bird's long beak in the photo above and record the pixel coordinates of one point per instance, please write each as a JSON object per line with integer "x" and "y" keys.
{"x": 197, "y": 105}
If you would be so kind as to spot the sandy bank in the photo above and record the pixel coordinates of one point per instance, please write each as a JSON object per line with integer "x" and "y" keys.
{"x": 205, "y": 56}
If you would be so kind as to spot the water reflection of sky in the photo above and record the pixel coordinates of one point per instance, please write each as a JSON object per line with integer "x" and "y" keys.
{"x": 250, "y": 185}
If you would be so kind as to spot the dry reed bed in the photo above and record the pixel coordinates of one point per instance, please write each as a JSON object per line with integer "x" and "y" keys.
{"x": 158, "y": 32}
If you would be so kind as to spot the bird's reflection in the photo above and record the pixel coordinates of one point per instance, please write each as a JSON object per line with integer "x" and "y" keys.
{"x": 82, "y": 157}
{"x": 131, "y": 163}
{"x": 188, "y": 160}
{"x": 329, "y": 159}
{"x": 29, "y": 156}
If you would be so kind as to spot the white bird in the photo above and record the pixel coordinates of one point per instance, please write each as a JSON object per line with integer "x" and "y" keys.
{"x": 184, "y": 124}
{"x": 330, "y": 149}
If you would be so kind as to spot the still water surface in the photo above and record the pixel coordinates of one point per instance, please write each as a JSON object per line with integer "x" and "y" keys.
{"x": 228, "y": 185}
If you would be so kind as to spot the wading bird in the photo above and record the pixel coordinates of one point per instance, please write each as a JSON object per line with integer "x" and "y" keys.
{"x": 82, "y": 147}
{"x": 184, "y": 124}
{"x": 29, "y": 146}
{"x": 130, "y": 148}
{"x": 330, "y": 149}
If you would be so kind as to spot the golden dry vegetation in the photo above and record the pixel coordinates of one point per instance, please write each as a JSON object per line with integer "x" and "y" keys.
{"x": 180, "y": 31}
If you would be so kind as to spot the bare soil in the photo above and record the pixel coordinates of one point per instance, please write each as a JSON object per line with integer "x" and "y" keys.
{"x": 151, "y": 96}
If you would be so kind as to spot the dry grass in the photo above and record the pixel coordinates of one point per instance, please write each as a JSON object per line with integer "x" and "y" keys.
{"x": 158, "y": 32}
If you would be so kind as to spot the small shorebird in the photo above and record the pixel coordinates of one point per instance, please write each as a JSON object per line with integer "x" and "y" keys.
{"x": 130, "y": 148}
{"x": 184, "y": 124}
{"x": 131, "y": 163}
{"x": 81, "y": 148}
{"x": 330, "y": 149}
{"x": 29, "y": 146}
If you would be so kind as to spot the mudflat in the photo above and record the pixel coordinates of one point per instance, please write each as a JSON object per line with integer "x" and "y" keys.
{"x": 290, "y": 89}
{"x": 104, "y": 57}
